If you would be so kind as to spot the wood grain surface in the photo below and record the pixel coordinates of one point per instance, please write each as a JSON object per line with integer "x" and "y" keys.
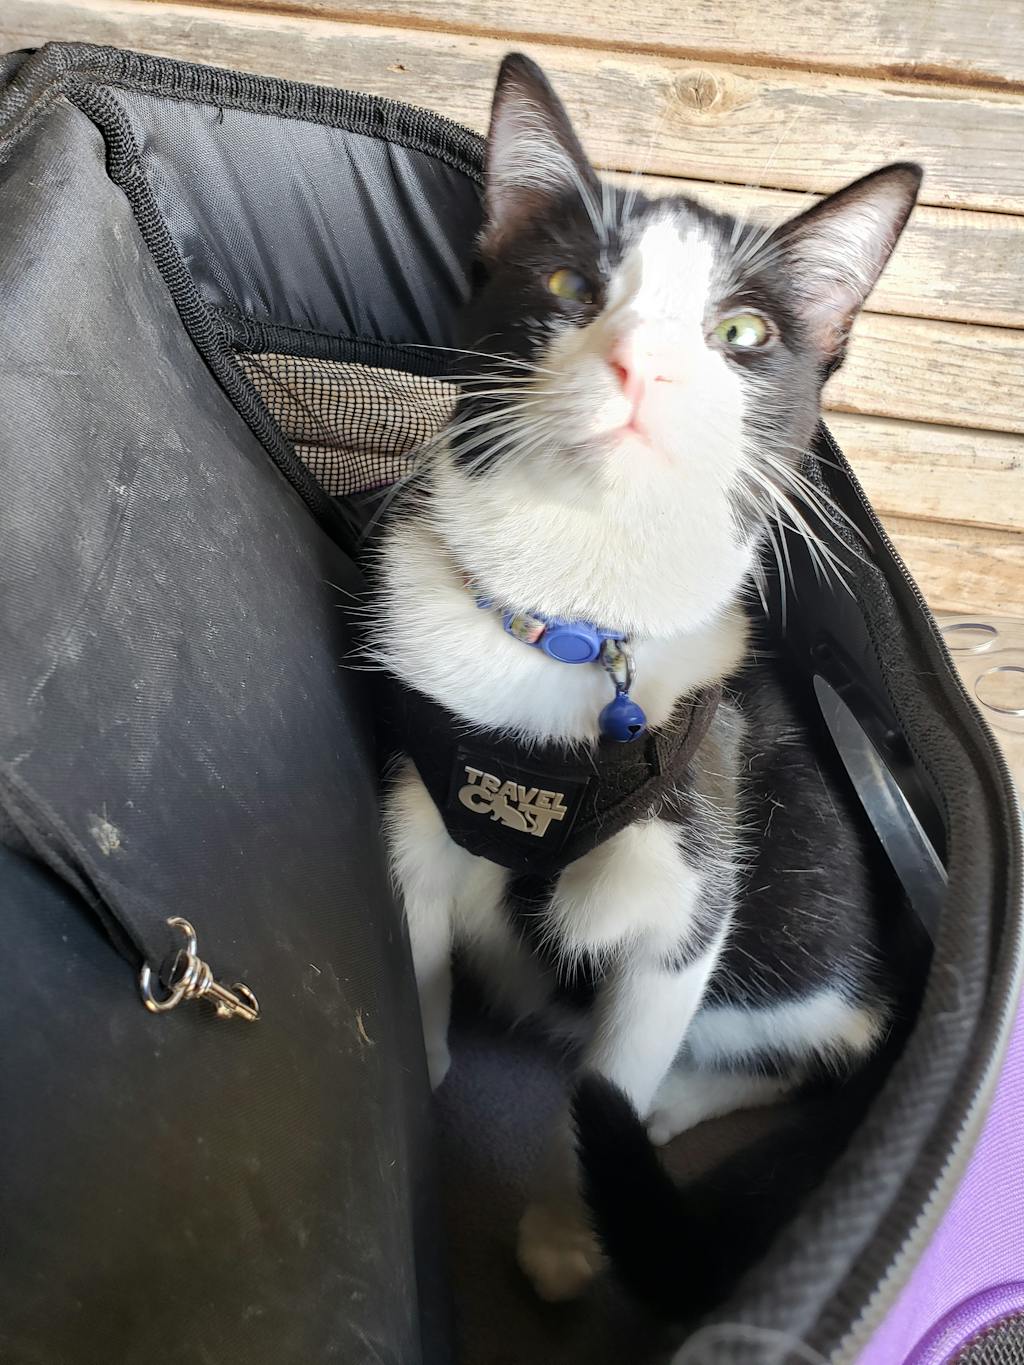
{"x": 755, "y": 106}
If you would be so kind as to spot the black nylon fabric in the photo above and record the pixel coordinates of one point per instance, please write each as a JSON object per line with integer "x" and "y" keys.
{"x": 566, "y": 804}
{"x": 178, "y": 735}
{"x": 373, "y": 252}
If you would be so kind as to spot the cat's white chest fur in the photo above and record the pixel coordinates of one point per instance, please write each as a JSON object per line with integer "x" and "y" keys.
{"x": 431, "y": 633}
{"x": 637, "y": 893}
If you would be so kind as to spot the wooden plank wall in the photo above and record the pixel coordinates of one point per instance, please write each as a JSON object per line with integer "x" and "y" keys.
{"x": 791, "y": 96}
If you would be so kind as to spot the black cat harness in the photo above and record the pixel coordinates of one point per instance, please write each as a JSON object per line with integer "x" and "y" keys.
{"x": 535, "y": 808}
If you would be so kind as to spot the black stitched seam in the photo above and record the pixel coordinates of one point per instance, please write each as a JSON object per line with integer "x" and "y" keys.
{"x": 246, "y": 334}
{"x": 125, "y": 171}
{"x": 401, "y": 124}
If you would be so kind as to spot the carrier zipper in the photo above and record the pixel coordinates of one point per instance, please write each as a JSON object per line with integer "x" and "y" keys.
{"x": 886, "y": 1287}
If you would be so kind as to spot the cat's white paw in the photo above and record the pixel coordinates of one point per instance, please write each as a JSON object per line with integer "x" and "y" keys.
{"x": 662, "y": 1127}
{"x": 558, "y": 1253}
{"x": 672, "y": 1116}
{"x": 439, "y": 1060}
{"x": 688, "y": 1098}
{"x": 676, "y": 1108}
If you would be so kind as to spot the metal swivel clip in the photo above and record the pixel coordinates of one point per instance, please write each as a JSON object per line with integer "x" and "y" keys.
{"x": 190, "y": 978}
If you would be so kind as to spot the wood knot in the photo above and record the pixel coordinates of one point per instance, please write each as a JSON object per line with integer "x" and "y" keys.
{"x": 704, "y": 92}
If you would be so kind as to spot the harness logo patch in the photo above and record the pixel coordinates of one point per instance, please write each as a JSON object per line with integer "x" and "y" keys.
{"x": 530, "y": 810}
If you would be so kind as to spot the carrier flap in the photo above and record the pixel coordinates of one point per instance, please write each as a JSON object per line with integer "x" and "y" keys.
{"x": 180, "y": 736}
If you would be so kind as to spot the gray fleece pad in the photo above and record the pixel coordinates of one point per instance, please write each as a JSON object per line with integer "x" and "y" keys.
{"x": 493, "y": 1111}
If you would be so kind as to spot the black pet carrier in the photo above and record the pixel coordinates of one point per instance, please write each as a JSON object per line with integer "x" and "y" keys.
{"x": 220, "y": 299}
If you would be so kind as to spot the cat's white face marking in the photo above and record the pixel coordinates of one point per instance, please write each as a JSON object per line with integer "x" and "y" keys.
{"x": 622, "y": 509}
{"x": 643, "y": 371}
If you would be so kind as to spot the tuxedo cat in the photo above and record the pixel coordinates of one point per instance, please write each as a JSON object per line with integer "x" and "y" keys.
{"x": 638, "y": 381}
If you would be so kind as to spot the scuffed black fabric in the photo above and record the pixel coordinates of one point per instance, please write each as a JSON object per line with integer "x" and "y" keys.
{"x": 600, "y": 791}
{"x": 179, "y": 736}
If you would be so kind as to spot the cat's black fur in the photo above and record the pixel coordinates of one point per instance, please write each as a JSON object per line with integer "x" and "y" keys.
{"x": 818, "y": 891}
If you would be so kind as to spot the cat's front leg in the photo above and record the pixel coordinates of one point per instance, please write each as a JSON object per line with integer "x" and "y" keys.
{"x": 643, "y": 1014}
{"x": 428, "y": 869}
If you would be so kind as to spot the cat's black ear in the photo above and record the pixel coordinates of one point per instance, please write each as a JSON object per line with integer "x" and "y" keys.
{"x": 533, "y": 155}
{"x": 836, "y": 251}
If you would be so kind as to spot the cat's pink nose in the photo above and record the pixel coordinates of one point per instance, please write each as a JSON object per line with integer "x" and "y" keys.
{"x": 636, "y": 362}
{"x": 623, "y": 363}
{"x": 620, "y": 371}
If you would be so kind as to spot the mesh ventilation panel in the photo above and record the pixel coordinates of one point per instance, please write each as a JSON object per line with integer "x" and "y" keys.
{"x": 1002, "y": 1344}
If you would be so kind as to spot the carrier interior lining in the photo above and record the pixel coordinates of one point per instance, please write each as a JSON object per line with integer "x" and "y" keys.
{"x": 357, "y": 428}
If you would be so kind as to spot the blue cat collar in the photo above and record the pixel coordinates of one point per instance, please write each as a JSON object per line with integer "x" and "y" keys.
{"x": 568, "y": 642}
{"x": 583, "y": 642}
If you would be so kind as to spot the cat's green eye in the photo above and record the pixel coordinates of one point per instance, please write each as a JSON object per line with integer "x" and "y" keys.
{"x": 743, "y": 330}
{"x": 571, "y": 285}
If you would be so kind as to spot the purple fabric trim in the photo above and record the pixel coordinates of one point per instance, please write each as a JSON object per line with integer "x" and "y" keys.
{"x": 976, "y": 1255}
{"x": 948, "y": 1337}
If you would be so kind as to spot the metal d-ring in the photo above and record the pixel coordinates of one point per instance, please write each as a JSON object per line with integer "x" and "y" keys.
{"x": 192, "y": 979}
